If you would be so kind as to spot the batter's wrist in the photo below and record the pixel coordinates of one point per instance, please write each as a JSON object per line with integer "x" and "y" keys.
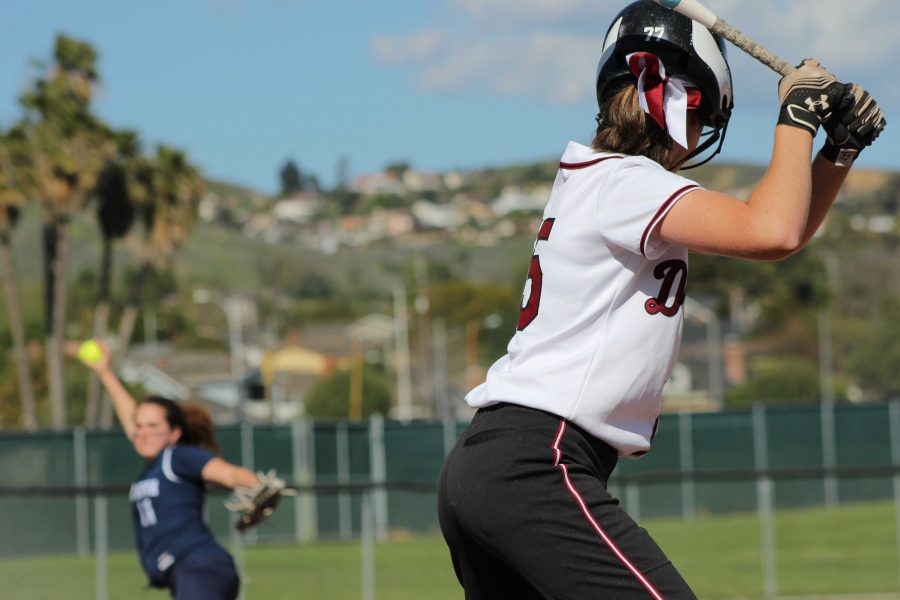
{"x": 795, "y": 115}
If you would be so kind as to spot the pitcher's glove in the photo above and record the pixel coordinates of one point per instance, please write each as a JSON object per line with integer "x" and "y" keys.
{"x": 257, "y": 503}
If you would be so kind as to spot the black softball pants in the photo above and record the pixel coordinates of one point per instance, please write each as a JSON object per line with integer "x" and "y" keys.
{"x": 523, "y": 506}
{"x": 205, "y": 576}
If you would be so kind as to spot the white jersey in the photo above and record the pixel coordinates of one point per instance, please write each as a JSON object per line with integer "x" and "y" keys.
{"x": 600, "y": 322}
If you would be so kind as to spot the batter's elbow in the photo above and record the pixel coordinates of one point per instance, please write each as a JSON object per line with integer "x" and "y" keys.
{"x": 778, "y": 243}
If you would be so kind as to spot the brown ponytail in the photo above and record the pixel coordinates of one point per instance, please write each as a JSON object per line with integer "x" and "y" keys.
{"x": 625, "y": 128}
{"x": 200, "y": 430}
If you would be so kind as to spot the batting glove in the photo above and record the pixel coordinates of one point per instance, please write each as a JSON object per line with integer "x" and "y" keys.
{"x": 856, "y": 123}
{"x": 808, "y": 96}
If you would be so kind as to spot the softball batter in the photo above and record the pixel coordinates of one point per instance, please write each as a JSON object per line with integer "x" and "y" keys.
{"x": 523, "y": 502}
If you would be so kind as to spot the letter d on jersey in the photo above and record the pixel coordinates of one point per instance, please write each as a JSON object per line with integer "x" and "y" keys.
{"x": 668, "y": 271}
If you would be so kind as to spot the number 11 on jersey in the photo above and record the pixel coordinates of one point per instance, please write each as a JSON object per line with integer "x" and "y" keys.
{"x": 531, "y": 295}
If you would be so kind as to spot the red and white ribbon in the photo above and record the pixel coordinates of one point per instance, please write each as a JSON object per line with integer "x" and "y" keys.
{"x": 666, "y": 99}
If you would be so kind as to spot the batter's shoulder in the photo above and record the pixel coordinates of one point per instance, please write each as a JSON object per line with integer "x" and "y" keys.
{"x": 641, "y": 170}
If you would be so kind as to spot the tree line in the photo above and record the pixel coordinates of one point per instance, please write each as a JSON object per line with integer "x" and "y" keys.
{"x": 62, "y": 157}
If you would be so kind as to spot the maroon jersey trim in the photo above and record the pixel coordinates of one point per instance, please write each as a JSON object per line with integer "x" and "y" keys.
{"x": 585, "y": 165}
{"x": 661, "y": 211}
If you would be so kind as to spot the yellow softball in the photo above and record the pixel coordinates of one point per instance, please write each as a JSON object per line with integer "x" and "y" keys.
{"x": 90, "y": 352}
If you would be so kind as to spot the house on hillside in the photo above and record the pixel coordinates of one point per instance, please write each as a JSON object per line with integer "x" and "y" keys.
{"x": 375, "y": 184}
{"x": 516, "y": 199}
{"x": 419, "y": 182}
{"x": 298, "y": 208}
{"x": 209, "y": 208}
{"x": 289, "y": 372}
{"x": 391, "y": 222}
{"x": 472, "y": 209}
{"x": 431, "y": 215}
{"x": 455, "y": 180}
{"x": 353, "y": 230}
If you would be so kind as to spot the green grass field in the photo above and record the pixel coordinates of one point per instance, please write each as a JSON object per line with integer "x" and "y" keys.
{"x": 848, "y": 551}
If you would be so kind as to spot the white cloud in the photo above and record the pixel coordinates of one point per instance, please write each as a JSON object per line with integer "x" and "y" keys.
{"x": 846, "y": 33}
{"x": 533, "y": 10}
{"x": 547, "y": 49}
{"x": 413, "y": 48}
{"x": 550, "y": 66}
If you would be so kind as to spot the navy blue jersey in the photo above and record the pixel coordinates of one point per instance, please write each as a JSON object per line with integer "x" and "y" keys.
{"x": 167, "y": 510}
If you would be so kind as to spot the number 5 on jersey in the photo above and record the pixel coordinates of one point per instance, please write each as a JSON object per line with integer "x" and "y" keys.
{"x": 531, "y": 295}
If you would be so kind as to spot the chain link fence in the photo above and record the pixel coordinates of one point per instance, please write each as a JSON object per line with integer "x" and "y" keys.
{"x": 374, "y": 478}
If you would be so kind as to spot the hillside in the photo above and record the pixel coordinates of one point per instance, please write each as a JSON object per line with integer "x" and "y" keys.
{"x": 322, "y": 273}
{"x": 223, "y": 256}
{"x": 714, "y": 175}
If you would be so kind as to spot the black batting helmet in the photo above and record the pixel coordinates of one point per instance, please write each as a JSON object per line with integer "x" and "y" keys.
{"x": 685, "y": 47}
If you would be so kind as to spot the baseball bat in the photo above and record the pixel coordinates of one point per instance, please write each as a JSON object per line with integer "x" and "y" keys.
{"x": 695, "y": 10}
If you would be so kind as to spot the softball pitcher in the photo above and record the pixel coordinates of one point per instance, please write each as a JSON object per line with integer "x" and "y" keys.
{"x": 176, "y": 548}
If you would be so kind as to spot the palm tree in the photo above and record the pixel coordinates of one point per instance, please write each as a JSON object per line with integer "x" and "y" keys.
{"x": 13, "y": 183}
{"x": 68, "y": 145}
{"x": 173, "y": 188}
{"x": 118, "y": 182}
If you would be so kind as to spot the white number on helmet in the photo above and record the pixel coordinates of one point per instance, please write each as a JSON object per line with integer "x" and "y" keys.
{"x": 654, "y": 32}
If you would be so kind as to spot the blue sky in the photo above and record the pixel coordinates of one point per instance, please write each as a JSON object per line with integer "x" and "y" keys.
{"x": 441, "y": 84}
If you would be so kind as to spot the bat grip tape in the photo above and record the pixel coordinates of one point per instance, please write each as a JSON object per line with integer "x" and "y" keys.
{"x": 760, "y": 53}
